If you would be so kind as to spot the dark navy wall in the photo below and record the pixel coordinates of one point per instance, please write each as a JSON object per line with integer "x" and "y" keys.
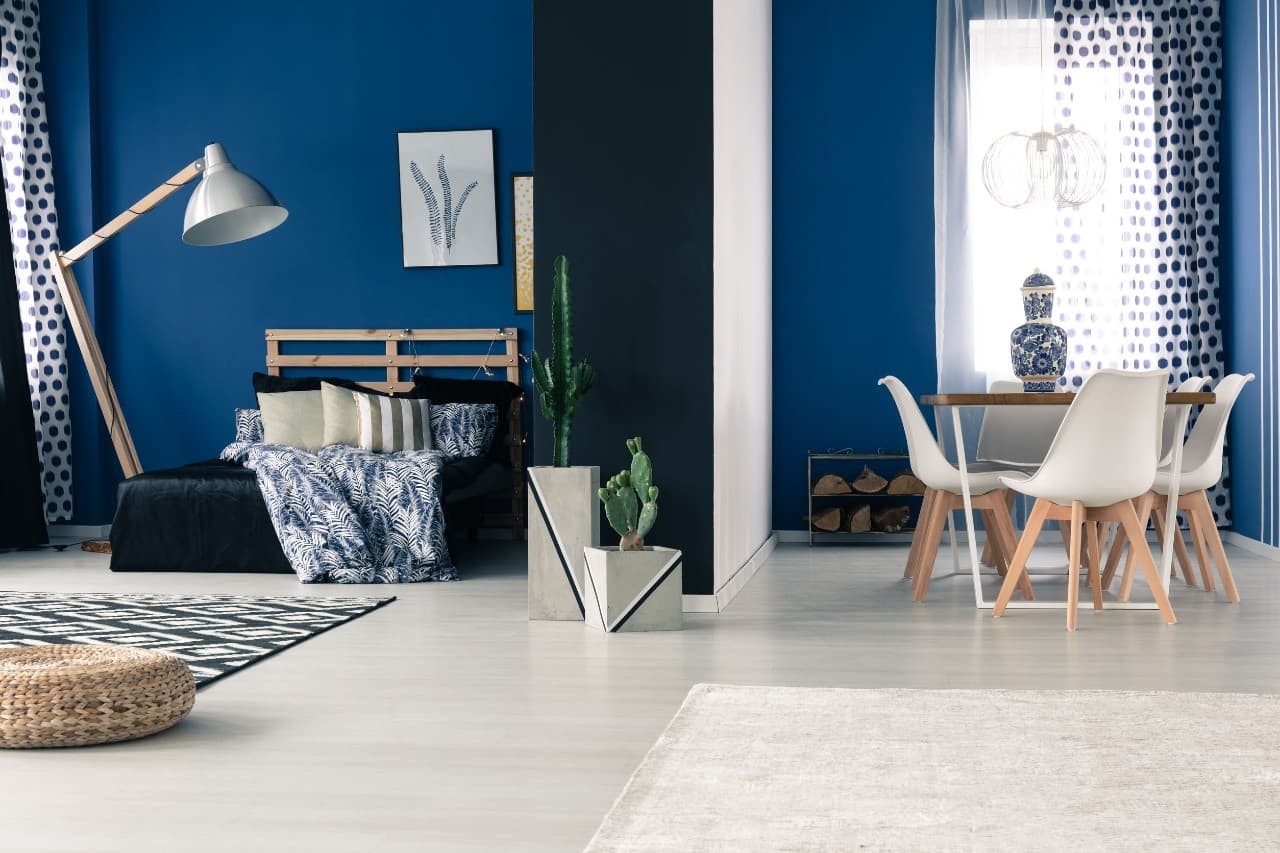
{"x": 307, "y": 97}
{"x": 853, "y": 227}
{"x": 611, "y": 144}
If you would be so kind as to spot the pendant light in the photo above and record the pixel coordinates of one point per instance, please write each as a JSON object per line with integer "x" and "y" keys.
{"x": 1064, "y": 168}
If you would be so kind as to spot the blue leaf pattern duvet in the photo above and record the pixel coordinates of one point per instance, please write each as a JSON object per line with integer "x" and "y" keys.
{"x": 349, "y": 516}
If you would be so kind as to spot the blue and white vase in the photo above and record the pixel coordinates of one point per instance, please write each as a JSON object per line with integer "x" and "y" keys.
{"x": 1038, "y": 347}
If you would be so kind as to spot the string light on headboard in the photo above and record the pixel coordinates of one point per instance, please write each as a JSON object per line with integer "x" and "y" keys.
{"x": 485, "y": 367}
{"x": 413, "y": 351}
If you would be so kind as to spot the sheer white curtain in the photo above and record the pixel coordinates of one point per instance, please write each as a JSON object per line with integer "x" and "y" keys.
{"x": 987, "y": 82}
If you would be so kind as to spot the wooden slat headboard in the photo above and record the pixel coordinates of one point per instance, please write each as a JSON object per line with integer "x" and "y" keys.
{"x": 503, "y": 353}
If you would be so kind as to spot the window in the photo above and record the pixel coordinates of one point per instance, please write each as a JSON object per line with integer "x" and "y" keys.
{"x": 1082, "y": 249}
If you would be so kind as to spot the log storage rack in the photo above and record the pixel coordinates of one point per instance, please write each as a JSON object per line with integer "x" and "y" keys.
{"x": 862, "y": 486}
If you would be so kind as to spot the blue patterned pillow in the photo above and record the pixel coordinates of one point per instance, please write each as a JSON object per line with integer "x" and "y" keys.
{"x": 248, "y": 425}
{"x": 463, "y": 429}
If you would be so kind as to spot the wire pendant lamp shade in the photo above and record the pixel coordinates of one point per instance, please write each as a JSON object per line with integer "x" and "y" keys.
{"x": 1063, "y": 168}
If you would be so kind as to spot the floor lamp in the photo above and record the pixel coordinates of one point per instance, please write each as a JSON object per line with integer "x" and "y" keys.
{"x": 226, "y": 207}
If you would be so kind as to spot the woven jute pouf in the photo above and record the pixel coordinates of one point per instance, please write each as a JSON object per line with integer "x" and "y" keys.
{"x": 75, "y": 695}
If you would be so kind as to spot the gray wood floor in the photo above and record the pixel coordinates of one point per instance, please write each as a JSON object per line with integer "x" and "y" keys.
{"x": 446, "y": 721}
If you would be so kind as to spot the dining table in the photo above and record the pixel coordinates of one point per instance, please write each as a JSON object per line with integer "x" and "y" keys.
{"x": 1183, "y": 401}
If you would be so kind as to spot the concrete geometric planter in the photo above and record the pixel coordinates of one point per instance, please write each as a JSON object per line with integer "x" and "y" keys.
{"x": 634, "y": 590}
{"x": 564, "y": 518}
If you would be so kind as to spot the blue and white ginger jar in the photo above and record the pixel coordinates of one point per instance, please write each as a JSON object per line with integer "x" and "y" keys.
{"x": 1038, "y": 347}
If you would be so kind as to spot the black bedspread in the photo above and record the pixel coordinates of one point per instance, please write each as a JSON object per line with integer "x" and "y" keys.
{"x": 211, "y": 517}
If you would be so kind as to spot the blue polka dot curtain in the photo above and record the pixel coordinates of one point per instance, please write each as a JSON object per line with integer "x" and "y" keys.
{"x": 1137, "y": 269}
{"x": 28, "y": 180}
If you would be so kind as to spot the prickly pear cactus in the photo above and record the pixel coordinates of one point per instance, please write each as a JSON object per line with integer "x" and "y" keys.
{"x": 631, "y": 500}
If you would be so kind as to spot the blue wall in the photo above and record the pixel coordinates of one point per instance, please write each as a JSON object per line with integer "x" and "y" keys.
{"x": 66, "y": 41}
{"x": 1250, "y": 167}
{"x": 853, "y": 227}
{"x": 308, "y": 98}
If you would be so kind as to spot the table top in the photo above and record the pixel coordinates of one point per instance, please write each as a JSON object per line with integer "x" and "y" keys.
{"x": 857, "y": 456}
{"x": 1055, "y": 398}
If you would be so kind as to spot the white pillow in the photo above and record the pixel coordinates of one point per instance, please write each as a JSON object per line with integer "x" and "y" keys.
{"x": 293, "y": 418}
{"x": 339, "y": 415}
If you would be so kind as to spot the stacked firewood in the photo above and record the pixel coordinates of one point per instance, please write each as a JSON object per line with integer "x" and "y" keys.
{"x": 861, "y": 518}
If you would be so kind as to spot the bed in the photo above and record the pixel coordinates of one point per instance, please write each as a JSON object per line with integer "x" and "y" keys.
{"x": 211, "y": 516}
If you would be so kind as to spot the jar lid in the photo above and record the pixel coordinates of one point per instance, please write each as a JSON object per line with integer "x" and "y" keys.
{"x": 1038, "y": 279}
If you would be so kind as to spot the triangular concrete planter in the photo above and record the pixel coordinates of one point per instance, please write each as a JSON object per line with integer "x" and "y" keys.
{"x": 564, "y": 518}
{"x": 634, "y": 590}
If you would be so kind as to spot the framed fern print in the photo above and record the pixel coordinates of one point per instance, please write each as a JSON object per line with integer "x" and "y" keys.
{"x": 448, "y": 200}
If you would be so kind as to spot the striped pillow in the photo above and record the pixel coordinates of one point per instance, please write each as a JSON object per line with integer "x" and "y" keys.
{"x": 391, "y": 424}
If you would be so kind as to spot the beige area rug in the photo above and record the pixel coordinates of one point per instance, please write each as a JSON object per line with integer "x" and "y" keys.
{"x": 781, "y": 768}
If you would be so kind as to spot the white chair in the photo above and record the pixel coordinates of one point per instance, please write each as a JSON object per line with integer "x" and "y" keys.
{"x": 1201, "y": 470}
{"x": 943, "y": 495}
{"x": 1015, "y": 437}
{"x": 1167, "y": 430}
{"x": 1102, "y": 459}
{"x": 1169, "y": 427}
{"x": 1171, "y": 417}
{"x": 1166, "y": 455}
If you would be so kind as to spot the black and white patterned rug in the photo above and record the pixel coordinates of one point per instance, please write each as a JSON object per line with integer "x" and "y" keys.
{"x": 215, "y": 634}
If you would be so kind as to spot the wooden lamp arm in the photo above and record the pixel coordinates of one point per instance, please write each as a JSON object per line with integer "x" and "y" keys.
{"x": 138, "y": 208}
{"x": 78, "y": 316}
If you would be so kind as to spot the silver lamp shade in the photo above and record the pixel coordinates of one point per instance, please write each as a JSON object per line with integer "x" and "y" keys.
{"x": 228, "y": 205}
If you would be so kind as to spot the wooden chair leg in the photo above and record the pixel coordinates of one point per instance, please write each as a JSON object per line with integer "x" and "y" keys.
{"x": 1073, "y": 564}
{"x": 992, "y": 547}
{"x": 1095, "y": 562}
{"x": 1202, "y": 553}
{"x": 913, "y": 557}
{"x": 1104, "y": 538}
{"x": 1018, "y": 566}
{"x": 929, "y": 547}
{"x": 1085, "y": 566}
{"x": 1179, "y": 547}
{"x": 988, "y": 551}
{"x": 1113, "y": 559}
{"x": 1007, "y": 547}
{"x": 1209, "y": 530}
{"x": 989, "y": 557}
{"x": 1142, "y": 511}
{"x": 1138, "y": 544}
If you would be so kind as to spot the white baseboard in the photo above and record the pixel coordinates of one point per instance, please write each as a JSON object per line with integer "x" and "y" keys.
{"x": 729, "y": 590}
{"x": 1253, "y": 546}
{"x": 80, "y": 531}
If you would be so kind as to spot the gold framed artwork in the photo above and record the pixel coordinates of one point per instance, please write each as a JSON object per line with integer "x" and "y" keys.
{"x": 522, "y": 202}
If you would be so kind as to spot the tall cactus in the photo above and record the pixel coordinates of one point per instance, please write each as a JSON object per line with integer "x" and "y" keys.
{"x": 631, "y": 499}
{"x": 561, "y": 384}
